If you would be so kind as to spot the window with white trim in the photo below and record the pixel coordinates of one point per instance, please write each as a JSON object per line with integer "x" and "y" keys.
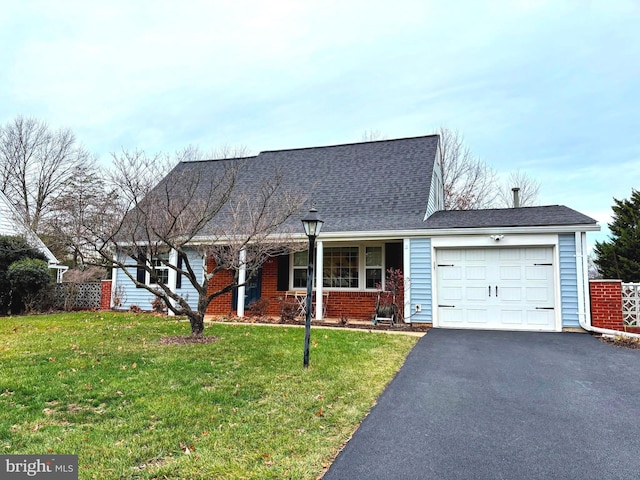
{"x": 300, "y": 264}
{"x": 340, "y": 267}
{"x": 160, "y": 270}
{"x": 343, "y": 267}
{"x": 373, "y": 267}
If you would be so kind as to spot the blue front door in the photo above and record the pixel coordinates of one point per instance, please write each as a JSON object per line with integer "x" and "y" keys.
{"x": 252, "y": 291}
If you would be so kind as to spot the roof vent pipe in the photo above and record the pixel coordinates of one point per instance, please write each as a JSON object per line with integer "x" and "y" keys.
{"x": 516, "y": 197}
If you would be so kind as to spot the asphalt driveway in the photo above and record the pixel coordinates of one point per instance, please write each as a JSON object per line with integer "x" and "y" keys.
{"x": 503, "y": 405}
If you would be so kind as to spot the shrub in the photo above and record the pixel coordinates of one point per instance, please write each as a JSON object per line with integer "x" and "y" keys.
{"x": 12, "y": 249}
{"x": 28, "y": 278}
{"x": 158, "y": 305}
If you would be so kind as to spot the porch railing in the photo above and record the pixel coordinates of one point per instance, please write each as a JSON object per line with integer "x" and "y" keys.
{"x": 631, "y": 304}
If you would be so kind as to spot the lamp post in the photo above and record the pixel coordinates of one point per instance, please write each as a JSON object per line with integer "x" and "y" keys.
{"x": 312, "y": 226}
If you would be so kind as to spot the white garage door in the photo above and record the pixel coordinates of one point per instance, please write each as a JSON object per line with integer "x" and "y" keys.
{"x": 496, "y": 288}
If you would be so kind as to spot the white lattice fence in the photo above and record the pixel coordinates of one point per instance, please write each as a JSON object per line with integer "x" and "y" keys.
{"x": 631, "y": 304}
{"x": 72, "y": 296}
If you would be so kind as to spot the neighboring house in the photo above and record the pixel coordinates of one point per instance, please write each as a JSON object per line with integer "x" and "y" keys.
{"x": 382, "y": 203}
{"x": 12, "y": 224}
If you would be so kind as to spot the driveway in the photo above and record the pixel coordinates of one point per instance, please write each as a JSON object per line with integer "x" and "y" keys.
{"x": 503, "y": 405}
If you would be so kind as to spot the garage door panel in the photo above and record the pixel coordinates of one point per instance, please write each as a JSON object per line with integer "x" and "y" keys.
{"x": 501, "y": 288}
{"x": 476, "y": 316}
{"x": 509, "y": 254}
{"x": 511, "y": 317}
{"x": 538, "y": 254}
{"x": 475, "y": 273}
{"x": 452, "y": 273}
{"x": 510, "y": 294}
{"x": 539, "y": 318}
{"x": 510, "y": 273}
{"x": 476, "y": 294}
{"x": 451, "y": 294}
{"x": 533, "y": 272}
{"x": 539, "y": 295}
{"x": 452, "y": 316}
{"x": 474, "y": 255}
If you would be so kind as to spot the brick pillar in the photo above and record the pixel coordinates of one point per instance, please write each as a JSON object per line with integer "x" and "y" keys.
{"x": 606, "y": 304}
{"x": 105, "y": 295}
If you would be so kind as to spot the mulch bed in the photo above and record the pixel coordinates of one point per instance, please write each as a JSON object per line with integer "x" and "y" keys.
{"x": 622, "y": 342}
{"x": 398, "y": 327}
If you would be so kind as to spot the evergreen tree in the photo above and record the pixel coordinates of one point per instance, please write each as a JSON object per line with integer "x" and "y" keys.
{"x": 619, "y": 257}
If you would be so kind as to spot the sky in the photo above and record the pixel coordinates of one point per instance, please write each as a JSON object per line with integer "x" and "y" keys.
{"x": 550, "y": 88}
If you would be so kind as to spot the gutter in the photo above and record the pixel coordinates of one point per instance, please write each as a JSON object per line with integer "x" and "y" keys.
{"x": 583, "y": 313}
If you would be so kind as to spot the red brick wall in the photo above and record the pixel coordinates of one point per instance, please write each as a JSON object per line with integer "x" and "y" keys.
{"x": 220, "y": 305}
{"x": 105, "y": 295}
{"x": 606, "y": 305}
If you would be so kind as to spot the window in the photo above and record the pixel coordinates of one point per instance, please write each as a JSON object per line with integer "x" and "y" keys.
{"x": 300, "y": 264}
{"x": 343, "y": 267}
{"x": 373, "y": 267}
{"x": 160, "y": 272}
{"x": 340, "y": 267}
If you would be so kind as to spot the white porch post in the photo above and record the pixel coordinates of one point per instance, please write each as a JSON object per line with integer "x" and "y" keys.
{"x": 173, "y": 277}
{"x": 242, "y": 277}
{"x": 319, "y": 296}
{"x": 114, "y": 285}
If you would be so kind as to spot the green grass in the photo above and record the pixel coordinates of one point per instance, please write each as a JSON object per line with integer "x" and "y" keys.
{"x": 101, "y": 385}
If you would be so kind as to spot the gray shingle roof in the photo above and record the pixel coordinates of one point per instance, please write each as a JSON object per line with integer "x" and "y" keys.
{"x": 381, "y": 185}
{"x": 507, "y": 217}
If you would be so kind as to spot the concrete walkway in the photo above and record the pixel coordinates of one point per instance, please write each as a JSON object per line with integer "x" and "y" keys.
{"x": 503, "y": 405}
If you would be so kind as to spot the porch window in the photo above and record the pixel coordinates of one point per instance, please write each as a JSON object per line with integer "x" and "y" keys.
{"x": 373, "y": 267}
{"x": 340, "y": 267}
{"x": 344, "y": 267}
{"x": 300, "y": 264}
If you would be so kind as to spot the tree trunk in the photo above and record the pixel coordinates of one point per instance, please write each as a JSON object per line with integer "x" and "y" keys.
{"x": 197, "y": 324}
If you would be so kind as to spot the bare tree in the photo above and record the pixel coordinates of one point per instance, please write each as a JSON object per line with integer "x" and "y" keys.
{"x": 527, "y": 193}
{"x": 82, "y": 204}
{"x": 372, "y": 135}
{"x": 36, "y": 165}
{"x": 469, "y": 183}
{"x": 194, "y": 208}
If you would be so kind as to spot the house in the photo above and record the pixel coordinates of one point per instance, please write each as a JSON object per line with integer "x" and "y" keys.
{"x": 382, "y": 203}
{"x": 11, "y": 224}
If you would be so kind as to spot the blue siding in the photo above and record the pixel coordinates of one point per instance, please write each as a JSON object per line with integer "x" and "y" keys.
{"x": 142, "y": 298}
{"x": 187, "y": 291}
{"x": 420, "y": 279}
{"x": 568, "y": 280}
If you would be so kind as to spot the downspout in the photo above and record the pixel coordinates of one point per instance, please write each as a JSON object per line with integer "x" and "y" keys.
{"x": 584, "y": 314}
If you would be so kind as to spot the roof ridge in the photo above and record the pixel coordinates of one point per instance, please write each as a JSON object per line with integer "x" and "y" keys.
{"x": 506, "y": 208}
{"x": 387, "y": 140}
{"x": 205, "y": 160}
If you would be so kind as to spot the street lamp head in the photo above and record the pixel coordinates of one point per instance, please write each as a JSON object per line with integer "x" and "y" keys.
{"x": 312, "y": 223}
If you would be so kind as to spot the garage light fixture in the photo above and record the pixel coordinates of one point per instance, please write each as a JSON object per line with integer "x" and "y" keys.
{"x": 497, "y": 238}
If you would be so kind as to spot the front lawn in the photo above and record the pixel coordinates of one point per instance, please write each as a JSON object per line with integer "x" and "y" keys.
{"x": 104, "y": 386}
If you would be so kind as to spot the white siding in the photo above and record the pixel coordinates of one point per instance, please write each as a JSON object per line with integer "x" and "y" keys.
{"x": 436, "y": 189}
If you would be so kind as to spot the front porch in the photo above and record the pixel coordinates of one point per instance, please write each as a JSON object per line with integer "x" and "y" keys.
{"x": 277, "y": 291}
